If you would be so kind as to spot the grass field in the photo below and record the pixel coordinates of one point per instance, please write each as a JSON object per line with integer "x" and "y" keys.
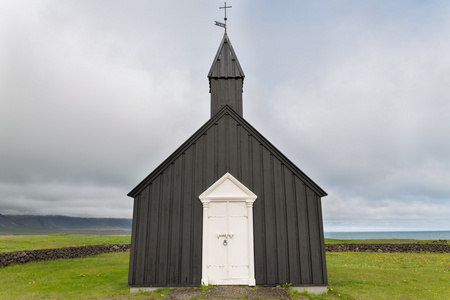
{"x": 92, "y": 277}
{"x": 365, "y": 275}
{"x": 374, "y": 241}
{"x": 351, "y": 276}
{"x": 29, "y": 242}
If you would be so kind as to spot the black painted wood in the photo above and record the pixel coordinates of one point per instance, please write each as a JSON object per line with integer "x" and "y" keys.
{"x": 270, "y": 254}
{"x": 187, "y": 211}
{"x": 197, "y": 213}
{"x": 142, "y": 235}
{"x": 304, "y": 251}
{"x": 162, "y": 275}
{"x": 168, "y": 214}
{"x": 175, "y": 221}
{"x": 233, "y": 157}
{"x": 131, "y": 277}
{"x": 262, "y": 211}
{"x": 322, "y": 240}
{"x": 316, "y": 256}
{"x": 226, "y": 79}
{"x": 152, "y": 239}
{"x": 292, "y": 230}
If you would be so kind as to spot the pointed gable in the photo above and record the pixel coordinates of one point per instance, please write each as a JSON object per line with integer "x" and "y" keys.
{"x": 227, "y": 187}
{"x": 288, "y": 208}
{"x": 216, "y": 144}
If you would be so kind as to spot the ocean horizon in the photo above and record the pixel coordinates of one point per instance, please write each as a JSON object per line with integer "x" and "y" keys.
{"x": 416, "y": 235}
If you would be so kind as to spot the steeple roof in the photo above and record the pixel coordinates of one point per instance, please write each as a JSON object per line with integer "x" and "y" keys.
{"x": 226, "y": 64}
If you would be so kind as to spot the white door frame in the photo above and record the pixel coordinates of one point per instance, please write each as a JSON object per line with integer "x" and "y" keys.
{"x": 229, "y": 189}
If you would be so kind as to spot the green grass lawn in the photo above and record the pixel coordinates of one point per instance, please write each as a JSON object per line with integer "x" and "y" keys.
{"x": 91, "y": 277}
{"x": 28, "y": 242}
{"x": 375, "y": 241}
{"x": 363, "y": 275}
{"x": 351, "y": 276}
{"x": 360, "y": 275}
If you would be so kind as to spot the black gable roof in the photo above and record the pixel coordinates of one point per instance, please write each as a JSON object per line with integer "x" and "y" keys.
{"x": 227, "y": 111}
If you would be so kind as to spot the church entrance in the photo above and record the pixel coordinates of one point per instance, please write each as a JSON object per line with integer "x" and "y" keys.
{"x": 228, "y": 251}
{"x": 228, "y": 233}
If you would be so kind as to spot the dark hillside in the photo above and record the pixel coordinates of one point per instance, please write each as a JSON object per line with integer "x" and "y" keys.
{"x": 31, "y": 223}
{"x": 5, "y": 222}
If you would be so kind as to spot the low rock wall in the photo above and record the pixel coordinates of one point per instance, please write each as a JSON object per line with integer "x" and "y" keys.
{"x": 22, "y": 257}
{"x": 388, "y": 248}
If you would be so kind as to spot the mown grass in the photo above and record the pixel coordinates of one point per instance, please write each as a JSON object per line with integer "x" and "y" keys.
{"x": 29, "y": 242}
{"x": 92, "y": 277}
{"x": 351, "y": 276}
{"x": 389, "y": 275}
{"x": 374, "y": 241}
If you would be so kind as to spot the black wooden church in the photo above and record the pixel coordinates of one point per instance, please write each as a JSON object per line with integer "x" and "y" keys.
{"x": 227, "y": 207}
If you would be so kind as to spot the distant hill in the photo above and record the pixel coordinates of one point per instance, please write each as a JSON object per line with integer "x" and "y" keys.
{"x": 41, "y": 224}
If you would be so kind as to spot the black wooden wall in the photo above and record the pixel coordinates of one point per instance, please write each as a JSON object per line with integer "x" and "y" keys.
{"x": 226, "y": 92}
{"x": 167, "y": 220}
{"x": 226, "y": 79}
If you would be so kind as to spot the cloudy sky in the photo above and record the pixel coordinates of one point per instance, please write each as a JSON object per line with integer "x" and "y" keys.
{"x": 95, "y": 94}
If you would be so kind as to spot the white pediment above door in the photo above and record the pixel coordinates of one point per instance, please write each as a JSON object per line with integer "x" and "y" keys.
{"x": 228, "y": 187}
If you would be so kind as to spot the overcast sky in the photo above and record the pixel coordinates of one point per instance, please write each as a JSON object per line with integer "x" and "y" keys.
{"x": 95, "y": 94}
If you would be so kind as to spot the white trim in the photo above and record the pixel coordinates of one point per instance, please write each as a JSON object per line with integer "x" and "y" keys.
{"x": 251, "y": 269}
{"x": 228, "y": 189}
{"x": 204, "y": 247}
{"x": 212, "y": 193}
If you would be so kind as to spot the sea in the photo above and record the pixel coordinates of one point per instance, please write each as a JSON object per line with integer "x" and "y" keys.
{"x": 415, "y": 235}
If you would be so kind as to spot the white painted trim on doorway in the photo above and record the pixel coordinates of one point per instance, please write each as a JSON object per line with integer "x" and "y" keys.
{"x": 228, "y": 188}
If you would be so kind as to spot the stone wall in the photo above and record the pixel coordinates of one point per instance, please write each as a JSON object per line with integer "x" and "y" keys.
{"x": 22, "y": 257}
{"x": 389, "y": 248}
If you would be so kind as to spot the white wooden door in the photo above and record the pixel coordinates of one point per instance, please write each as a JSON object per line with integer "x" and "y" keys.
{"x": 228, "y": 248}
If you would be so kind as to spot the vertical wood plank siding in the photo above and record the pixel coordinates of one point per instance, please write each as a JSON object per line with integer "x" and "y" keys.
{"x": 132, "y": 269}
{"x": 226, "y": 92}
{"x": 292, "y": 230}
{"x": 167, "y": 216}
{"x": 153, "y": 225}
{"x": 303, "y": 232}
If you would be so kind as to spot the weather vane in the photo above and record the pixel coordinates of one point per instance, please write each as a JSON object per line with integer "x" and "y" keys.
{"x": 224, "y": 25}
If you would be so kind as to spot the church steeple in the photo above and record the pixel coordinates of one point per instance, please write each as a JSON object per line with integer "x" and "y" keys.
{"x": 226, "y": 79}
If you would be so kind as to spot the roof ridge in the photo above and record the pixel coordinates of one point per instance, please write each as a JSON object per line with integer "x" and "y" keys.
{"x": 226, "y": 110}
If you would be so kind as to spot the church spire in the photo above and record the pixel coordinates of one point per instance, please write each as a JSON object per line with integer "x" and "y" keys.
{"x": 226, "y": 79}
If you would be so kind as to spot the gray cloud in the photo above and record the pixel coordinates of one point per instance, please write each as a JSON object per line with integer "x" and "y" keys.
{"x": 94, "y": 95}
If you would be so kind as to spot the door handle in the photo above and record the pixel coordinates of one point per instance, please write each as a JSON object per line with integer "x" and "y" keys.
{"x": 225, "y": 235}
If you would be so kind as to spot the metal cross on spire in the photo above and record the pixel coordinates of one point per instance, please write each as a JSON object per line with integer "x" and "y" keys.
{"x": 225, "y": 7}
{"x": 224, "y": 25}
